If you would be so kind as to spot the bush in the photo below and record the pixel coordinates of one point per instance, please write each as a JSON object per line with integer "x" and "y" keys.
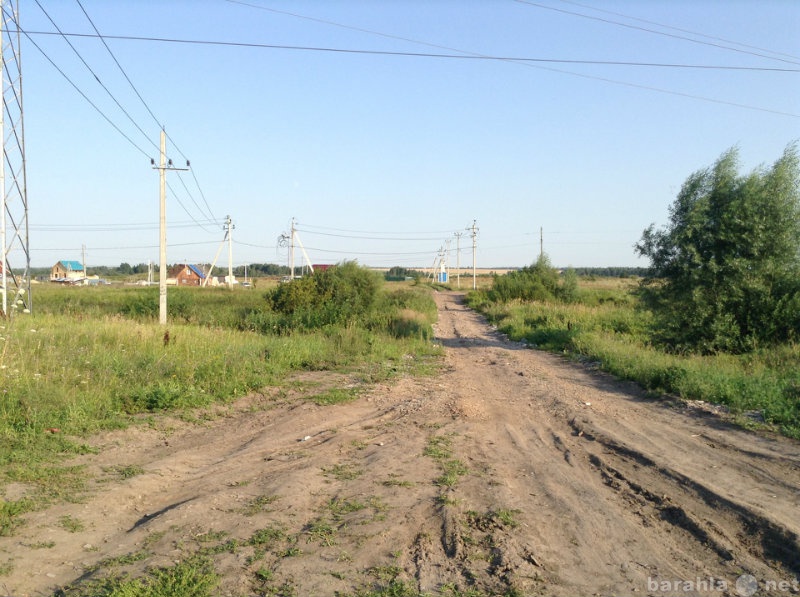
{"x": 338, "y": 295}
{"x": 724, "y": 272}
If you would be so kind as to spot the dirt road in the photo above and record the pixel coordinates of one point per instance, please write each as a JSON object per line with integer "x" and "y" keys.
{"x": 511, "y": 472}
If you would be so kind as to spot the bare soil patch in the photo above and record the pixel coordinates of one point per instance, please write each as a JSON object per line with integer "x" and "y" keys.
{"x": 511, "y": 470}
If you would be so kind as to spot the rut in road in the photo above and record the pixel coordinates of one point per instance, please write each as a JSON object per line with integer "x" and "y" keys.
{"x": 509, "y": 470}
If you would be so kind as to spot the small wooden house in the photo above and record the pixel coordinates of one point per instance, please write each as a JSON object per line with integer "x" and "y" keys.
{"x": 186, "y": 274}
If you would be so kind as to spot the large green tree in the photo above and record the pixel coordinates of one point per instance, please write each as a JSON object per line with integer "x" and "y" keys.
{"x": 725, "y": 272}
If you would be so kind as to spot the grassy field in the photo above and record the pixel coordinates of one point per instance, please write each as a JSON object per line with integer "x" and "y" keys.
{"x": 92, "y": 359}
{"x": 606, "y": 327}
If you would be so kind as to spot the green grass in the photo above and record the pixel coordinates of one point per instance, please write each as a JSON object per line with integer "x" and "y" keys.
{"x": 343, "y": 472}
{"x": 335, "y": 396}
{"x": 439, "y": 448}
{"x": 194, "y": 577}
{"x": 258, "y": 504}
{"x": 607, "y": 328}
{"x": 71, "y": 524}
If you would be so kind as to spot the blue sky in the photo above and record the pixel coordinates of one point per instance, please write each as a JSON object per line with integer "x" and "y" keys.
{"x": 380, "y": 157}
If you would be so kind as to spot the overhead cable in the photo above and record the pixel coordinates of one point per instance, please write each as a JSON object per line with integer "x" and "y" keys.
{"x": 465, "y": 56}
{"x": 662, "y": 25}
{"x": 655, "y": 32}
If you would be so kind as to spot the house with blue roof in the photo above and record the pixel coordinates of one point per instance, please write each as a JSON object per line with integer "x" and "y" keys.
{"x": 185, "y": 274}
{"x": 67, "y": 271}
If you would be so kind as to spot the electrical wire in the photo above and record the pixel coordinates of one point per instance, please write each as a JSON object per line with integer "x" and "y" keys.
{"x": 94, "y": 74}
{"x": 150, "y": 111}
{"x": 376, "y": 232}
{"x": 653, "y": 31}
{"x": 465, "y": 55}
{"x": 662, "y": 25}
{"x": 122, "y": 70}
{"x": 551, "y": 69}
{"x": 134, "y": 227}
{"x": 530, "y": 62}
{"x": 84, "y": 96}
{"x": 125, "y": 248}
{"x": 429, "y": 238}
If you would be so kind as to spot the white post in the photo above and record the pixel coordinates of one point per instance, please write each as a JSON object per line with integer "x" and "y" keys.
{"x": 162, "y": 253}
{"x": 474, "y": 252}
{"x": 291, "y": 252}
{"x": 230, "y": 252}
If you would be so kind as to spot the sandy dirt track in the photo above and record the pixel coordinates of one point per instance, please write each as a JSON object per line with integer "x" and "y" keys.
{"x": 511, "y": 470}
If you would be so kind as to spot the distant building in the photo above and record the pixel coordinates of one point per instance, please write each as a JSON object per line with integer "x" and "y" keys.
{"x": 186, "y": 274}
{"x": 69, "y": 272}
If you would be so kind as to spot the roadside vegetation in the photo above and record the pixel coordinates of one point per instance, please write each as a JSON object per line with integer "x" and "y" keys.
{"x": 716, "y": 318}
{"x": 93, "y": 359}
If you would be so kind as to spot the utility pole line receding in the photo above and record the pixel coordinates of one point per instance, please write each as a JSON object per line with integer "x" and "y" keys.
{"x": 163, "y": 166}
{"x": 541, "y": 243}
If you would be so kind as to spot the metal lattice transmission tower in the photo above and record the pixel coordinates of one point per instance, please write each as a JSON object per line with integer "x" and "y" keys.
{"x": 15, "y": 264}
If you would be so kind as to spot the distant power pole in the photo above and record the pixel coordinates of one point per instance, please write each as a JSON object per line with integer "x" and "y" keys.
{"x": 458, "y": 258}
{"x": 229, "y": 227}
{"x": 291, "y": 251}
{"x": 541, "y": 243}
{"x": 474, "y": 233}
{"x": 15, "y": 281}
{"x": 163, "y": 166}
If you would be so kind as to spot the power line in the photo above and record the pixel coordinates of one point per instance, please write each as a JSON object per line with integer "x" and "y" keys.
{"x": 84, "y": 96}
{"x": 466, "y": 55}
{"x": 94, "y": 74}
{"x": 540, "y": 66}
{"x": 530, "y": 62}
{"x": 133, "y": 227}
{"x": 305, "y": 226}
{"x": 122, "y": 70}
{"x": 350, "y": 236}
{"x": 149, "y": 110}
{"x": 111, "y": 95}
{"x": 722, "y": 39}
{"x": 653, "y": 31}
{"x": 127, "y": 247}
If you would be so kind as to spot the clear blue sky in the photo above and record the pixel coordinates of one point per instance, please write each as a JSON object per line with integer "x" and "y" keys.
{"x": 365, "y": 149}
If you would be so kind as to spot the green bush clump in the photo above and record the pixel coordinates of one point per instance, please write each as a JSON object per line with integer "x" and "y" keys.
{"x": 537, "y": 282}
{"x": 338, "y": 295}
